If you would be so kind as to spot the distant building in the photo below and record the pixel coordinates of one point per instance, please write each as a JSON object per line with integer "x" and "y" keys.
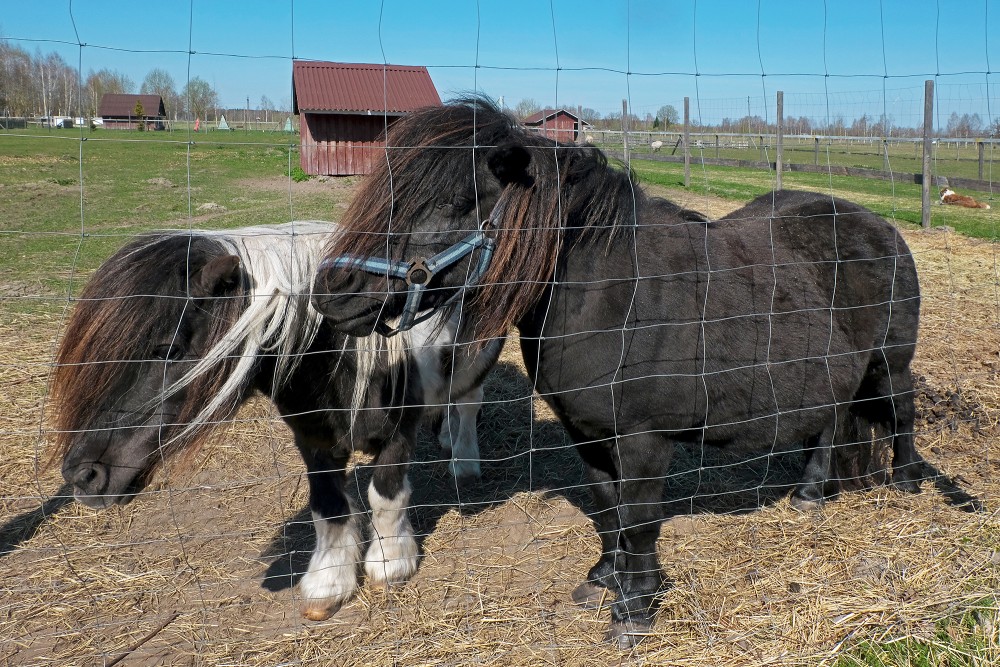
{"x": 118, "y": 111}
{"x": 557, "y": 124}
{"x": 346, "y": 107}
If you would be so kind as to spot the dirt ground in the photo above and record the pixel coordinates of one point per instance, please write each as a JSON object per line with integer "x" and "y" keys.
{"x": 200, "y": 569}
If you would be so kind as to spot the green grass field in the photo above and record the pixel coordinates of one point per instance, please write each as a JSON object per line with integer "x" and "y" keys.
{"x": 965, "y": 640}
{"x": 899, "y": 202}
{"x": 953, "y": 160}
{"x": 70, "y": 197}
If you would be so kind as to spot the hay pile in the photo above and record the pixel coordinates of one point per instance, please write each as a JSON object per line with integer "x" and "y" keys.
{"x": 198, "y": 569}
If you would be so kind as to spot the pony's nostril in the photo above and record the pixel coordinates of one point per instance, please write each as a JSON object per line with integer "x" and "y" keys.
{"x": 89, "y": 478}
{"x": 338, "y": 280}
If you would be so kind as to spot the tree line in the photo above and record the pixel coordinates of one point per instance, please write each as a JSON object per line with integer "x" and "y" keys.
{"x": 667, "y": 118}
{"x": 40, "y": 84}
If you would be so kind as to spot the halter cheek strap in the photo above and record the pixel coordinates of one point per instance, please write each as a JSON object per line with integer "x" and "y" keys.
{"x": 419, "y": 272}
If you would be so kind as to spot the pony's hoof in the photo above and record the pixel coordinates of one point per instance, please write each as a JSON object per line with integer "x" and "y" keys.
{"x": 319, "y": 612}
{"x": 626, "y": 634}
{"x": 805, "y": 504}
{"x": 591, "y": 596}
{"x": 466, "y": 471}
{"x": 907, "y": 485}
{"x": 907, "y": 479}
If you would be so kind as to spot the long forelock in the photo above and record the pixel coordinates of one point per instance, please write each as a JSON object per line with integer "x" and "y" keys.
{"x": 419, "y": 165}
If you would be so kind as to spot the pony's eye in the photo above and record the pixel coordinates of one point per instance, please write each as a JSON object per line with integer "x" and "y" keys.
{"x": 457, "y": 205}
{"x": 167, "y": 352}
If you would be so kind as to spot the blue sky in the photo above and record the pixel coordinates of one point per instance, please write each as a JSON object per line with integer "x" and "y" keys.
{"x": 559, "y": 53}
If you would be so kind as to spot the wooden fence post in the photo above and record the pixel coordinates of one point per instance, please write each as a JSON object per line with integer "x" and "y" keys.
{"x": 687, "y": 141}
{"x": 716, "y": 147}
{"x": 981, "y": 145}
{"x": 885, "y": 154}
{"x": 779, "y": 149}
{"x": 625, "y": 129}
{"x": 816, "y": 151}
{"x": 925, "y": 189}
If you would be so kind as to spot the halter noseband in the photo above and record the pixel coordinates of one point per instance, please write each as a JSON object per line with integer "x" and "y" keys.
{"x": 420, "y": 271}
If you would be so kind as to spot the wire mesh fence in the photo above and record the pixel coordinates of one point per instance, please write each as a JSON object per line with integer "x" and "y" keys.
{"x": 289, "y": 502}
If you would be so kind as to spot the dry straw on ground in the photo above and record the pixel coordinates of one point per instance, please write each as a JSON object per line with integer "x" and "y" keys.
{"x": 197, "y": 570}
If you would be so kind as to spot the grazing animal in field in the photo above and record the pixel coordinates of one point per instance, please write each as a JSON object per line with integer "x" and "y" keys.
{"x": 949, "y": 196}
{"x": 656, "y": 145}
{"x": 177, "y": 329}
{"x": 791, "y": 320}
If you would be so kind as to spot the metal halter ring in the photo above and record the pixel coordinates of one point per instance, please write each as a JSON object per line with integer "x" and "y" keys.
{"x": 419, "y": 273}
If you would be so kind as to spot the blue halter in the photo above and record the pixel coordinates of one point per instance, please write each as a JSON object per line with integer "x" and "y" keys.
{"x": 419, "y": 272}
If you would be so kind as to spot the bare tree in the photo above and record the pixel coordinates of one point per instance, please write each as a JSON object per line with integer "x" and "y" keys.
{"x": 102, "y": 82}
{"x": 16, "y": 81}
{"x": 526, "y": 107}
{"x": 199, "y": 97}
{"x": 159, "y": 82}
{"x": 267, "y": 106}
{"x": 966, "y": 125}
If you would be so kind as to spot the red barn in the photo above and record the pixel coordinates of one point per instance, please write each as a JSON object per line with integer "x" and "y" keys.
{"x": 346, "y": 107}
{"x": 557, "y": 124}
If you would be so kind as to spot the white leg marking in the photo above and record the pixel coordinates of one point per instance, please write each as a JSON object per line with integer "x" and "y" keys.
{"x": 332, "y": 577}
{"x": 392, "y": 556}
{"x": 465, "y": 444}
{"x": 449, "y": 430}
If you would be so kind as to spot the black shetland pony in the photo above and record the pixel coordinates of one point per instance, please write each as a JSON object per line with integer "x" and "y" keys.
{"x": 176, "y": 330}
{"x": 792, "y": 320}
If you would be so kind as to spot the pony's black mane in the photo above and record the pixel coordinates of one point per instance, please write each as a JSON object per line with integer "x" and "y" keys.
{"x": 594, "y": 194}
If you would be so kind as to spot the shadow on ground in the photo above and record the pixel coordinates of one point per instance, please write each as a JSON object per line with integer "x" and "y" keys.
{"x": 522, "y": 452}
{"x": 24, "y": 526}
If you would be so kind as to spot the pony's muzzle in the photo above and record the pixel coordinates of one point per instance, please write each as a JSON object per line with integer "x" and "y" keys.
{"x": 347, "y": 299}
{"x": 90, "y": 482}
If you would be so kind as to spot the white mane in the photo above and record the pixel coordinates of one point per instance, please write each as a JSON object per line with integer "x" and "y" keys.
{"x": 280, "y": 319}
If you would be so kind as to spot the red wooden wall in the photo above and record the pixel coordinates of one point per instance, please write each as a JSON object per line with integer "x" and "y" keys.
{"x": 342, "y": 144}
{"x": 559, "y": 127}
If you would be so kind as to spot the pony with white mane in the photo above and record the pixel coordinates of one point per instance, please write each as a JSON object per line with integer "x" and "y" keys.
{"x": 177, "y": 329}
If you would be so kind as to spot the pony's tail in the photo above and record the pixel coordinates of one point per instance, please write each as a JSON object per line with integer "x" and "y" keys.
{"x": 863, "y": 460}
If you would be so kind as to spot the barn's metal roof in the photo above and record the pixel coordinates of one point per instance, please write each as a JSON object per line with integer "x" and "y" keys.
{"x": 116, "y": 105}
{"x": 360, "y": 88}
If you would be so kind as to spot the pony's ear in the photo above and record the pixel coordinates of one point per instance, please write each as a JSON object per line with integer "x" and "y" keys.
{"x": 509, "y": 163}
{"x": 218, "y": 276}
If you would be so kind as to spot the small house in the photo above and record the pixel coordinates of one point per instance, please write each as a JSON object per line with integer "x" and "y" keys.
{"x": 119, "y": 111}
{"x": 345, "y": 109}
